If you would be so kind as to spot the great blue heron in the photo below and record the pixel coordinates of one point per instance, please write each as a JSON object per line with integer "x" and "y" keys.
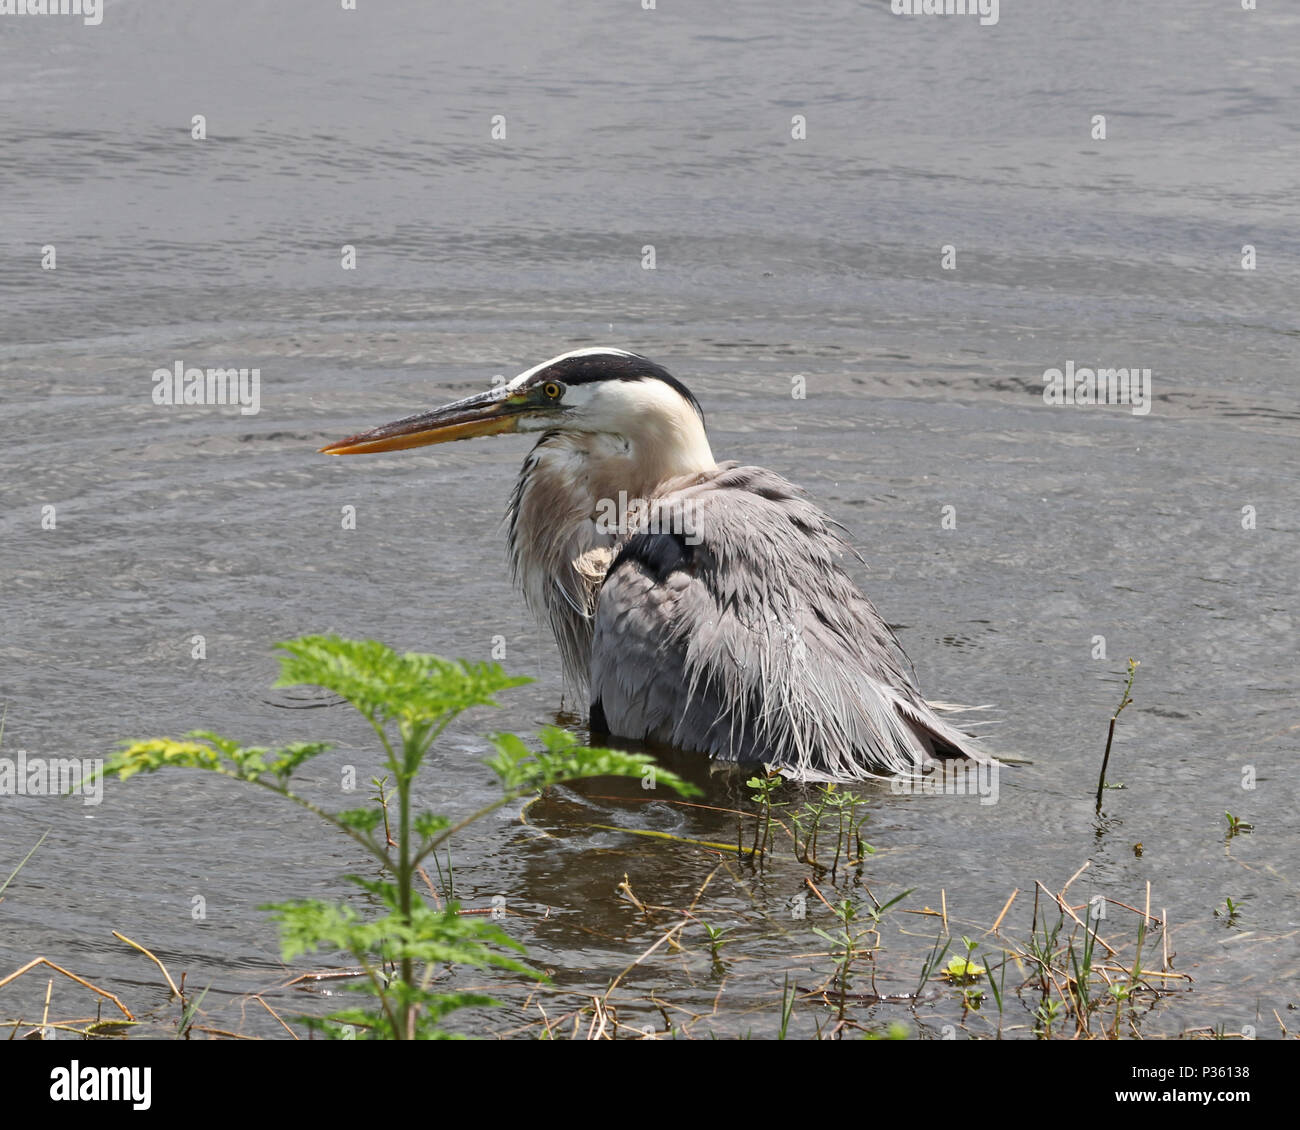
{"x": 695, "y": 603}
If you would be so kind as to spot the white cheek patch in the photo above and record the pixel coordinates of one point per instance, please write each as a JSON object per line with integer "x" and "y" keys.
{"x": 579, "y": 396}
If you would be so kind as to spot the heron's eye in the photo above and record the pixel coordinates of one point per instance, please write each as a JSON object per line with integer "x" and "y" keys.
{"x": 552, "y": 390}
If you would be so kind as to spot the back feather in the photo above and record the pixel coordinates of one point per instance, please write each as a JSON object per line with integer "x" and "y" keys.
{"x": 727, "y": 625}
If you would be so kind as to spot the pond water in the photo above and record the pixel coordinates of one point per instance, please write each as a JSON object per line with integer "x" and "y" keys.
{"x": 1078, "y": 535}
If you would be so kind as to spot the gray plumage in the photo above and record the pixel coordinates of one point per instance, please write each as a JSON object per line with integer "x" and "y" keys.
{"x": 697, "y": 604}
{"x": 754, "y": 644}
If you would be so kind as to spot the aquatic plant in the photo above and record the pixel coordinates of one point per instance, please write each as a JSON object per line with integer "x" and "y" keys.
{"x": 765, "y": 786}
{"x": 1236, "y": 827}
{"x": 1125, "y": 700}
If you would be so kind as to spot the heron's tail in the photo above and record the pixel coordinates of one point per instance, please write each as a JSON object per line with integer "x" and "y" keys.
{"x": 942, "y": 741}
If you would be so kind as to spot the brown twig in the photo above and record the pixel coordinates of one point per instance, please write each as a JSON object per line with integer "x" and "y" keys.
{"x": 153, "y": 958}
{"x": 275, "y": 1014}
{"x": 72, "y": 977}
{"x": 994, "y": 928}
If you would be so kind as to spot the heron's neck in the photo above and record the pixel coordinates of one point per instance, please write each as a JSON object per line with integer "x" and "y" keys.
{"x": 640, "y": 465}
{"x": 575, "y": 495}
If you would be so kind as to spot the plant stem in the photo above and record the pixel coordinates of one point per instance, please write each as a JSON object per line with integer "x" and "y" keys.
{"x": 405, "y": 872}
{"x": 1110, "y": 737}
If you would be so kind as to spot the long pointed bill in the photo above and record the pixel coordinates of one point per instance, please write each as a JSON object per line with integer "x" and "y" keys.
{"x": 484, "y": 414}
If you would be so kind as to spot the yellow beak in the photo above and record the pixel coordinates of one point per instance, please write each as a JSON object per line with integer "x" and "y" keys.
{"x": 484, "y": 414}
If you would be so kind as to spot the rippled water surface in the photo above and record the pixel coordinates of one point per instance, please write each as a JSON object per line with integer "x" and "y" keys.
{"x": 1172, "y": 534}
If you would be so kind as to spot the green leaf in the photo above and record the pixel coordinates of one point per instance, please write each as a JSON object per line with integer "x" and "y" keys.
{"x": 429, "y": 824}
{"x": 961, "y": 969}
{"x": 431, "y": 937}
{"x": 842, "y": 940}
{"x": 896, "y": 1031}
{"x": 160, "y": 753}
{"x": 562, "y": 759}
{"x": 203, "y": 749}
{"x": 288, "y": 757}
{"x": 416, "y": 689}
{"x": 362, "y": 819}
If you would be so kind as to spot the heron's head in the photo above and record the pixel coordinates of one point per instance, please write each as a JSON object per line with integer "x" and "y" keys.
{"x": 605, "y": 394}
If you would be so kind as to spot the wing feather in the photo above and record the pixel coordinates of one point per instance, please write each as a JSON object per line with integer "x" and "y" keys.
{"x": 729, "y": 626}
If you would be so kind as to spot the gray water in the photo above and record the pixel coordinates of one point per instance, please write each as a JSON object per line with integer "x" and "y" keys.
{"x": 775, "y": 258}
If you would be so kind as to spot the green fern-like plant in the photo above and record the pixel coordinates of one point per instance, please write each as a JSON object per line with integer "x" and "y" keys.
{"x": 408, "y": 700}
